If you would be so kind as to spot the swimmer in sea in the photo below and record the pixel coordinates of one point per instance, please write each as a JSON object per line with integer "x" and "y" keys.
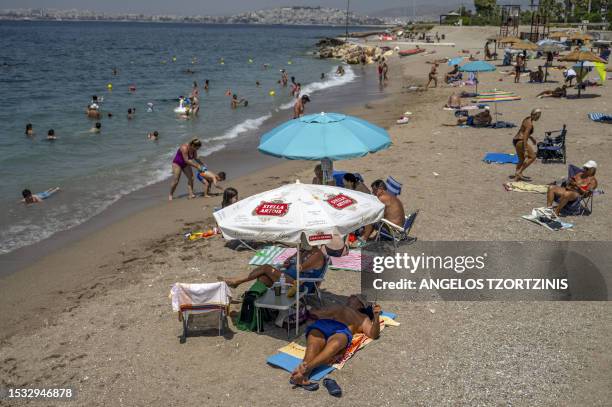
{"x": 29, "y": 131}
{"x": 30, "y": 198}
{"x": 109, "y": 115}
{"x": 322, "y": 75}
{"x": 209, "y": 179}
{"x": 97, "y": 128}
{"x": 236, "y": 102}
{"x": 257, "y": 84}
{"x": 130, "y": 114}
{"x": 154, "y": 136}
{"x": 206, "y": 84}
{"x": 115, "y": 72}
{"x": 51, "y": 135}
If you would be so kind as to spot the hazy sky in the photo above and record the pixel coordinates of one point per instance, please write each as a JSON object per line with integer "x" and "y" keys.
{"x": 202, "y": 7}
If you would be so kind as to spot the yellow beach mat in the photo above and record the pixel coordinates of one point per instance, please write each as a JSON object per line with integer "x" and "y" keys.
{"x": 522, "y": 186}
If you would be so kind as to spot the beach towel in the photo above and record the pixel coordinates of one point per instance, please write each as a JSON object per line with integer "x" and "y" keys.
{"x": 600, "y": 117}
{"x": 522, "y": 186}
{"x": 291, "y": 355}
{"x": 496, "y": 99}
{"x": 186, "y": 296}
{"x": 266, "y": 255}
{"x": 500, "y": 158}
{"x": 247, "y": 318}
{"x": 545, "y": 217}
{"x": 284, "y": 255}
{"x": 351, "y": 262}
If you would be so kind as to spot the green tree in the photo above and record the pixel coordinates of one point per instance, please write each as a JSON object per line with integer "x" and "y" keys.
{"x": 485, "y": 8}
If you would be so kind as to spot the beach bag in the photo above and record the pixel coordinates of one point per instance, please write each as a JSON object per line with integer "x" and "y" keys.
{"x": 247, "y": 320}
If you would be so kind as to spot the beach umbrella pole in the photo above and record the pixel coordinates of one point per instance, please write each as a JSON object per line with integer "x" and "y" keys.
{"x": 581, "y": 76}
{"x": 298, "y": 266}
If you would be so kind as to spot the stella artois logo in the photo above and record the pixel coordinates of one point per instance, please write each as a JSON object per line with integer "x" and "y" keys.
{"x": 271, "y": 209}
{"x": 319, "y": 236}
{"x": 340, "y": 201}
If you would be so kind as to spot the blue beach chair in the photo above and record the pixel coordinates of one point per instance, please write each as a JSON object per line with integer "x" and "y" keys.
{"x": 393, "y": 186}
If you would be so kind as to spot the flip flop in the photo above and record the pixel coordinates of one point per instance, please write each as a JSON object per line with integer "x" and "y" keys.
{"x": 332, "y": 387}
{"x": 312, "y": 386}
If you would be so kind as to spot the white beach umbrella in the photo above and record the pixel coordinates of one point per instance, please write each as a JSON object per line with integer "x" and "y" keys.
{"x": 292, "y": 211}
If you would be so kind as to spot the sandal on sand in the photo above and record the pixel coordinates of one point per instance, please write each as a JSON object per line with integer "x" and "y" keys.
{"x": 312, "y": 386}
{"x": 332, "y": 387}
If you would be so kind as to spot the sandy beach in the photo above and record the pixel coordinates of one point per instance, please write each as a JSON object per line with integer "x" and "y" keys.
{"x": 95, "y": 314}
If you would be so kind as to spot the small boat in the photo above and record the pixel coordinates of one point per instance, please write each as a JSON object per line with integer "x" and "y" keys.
{"x": 407, "y": 52}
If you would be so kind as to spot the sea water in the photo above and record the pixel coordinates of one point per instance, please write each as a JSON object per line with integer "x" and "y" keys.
{"x": 50, "y": 70}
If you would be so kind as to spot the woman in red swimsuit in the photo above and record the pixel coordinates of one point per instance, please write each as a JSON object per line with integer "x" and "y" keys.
{"x": 185, "y": 158}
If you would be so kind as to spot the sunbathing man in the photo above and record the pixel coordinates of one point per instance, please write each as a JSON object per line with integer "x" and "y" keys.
{"x": 580, "y": 185}
{"x": 451, "y": 74}
{"x": 481, "y": 119}
{"x": 454, "y": 101}
{"x": 329, "y": 337}
{"x": 312, "y": 265}
{"x": 521, "y": 144}
{"x": 559, "y": 92}
{"x": 394, "y": 210}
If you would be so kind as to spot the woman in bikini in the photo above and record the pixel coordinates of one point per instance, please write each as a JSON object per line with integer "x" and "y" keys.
{"x": 433, "y": 76}
{"x": 522, "y": 147}
{"x": 185, "y": 158}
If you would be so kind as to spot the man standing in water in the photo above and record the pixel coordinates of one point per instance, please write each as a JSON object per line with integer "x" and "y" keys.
{"x": 298, "y": 107}
{"x": 521, "y": 144}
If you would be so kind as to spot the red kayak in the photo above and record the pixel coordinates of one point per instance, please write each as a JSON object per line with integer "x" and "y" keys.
{"x": 407, "y": 52}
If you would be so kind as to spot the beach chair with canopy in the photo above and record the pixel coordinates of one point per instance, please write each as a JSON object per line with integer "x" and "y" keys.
{"x": 394, "y": 187}
{"x": 389, "y": 231}
{"x": 553, "y": 148}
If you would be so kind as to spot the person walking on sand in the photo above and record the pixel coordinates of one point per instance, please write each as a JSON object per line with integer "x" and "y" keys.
{"x": 385, "y": 71}
{"x": 298, "y": 107}
{"x": 380, "y": 72}
{"x": 433, "y": 76}
{"x": 517, "y": 70}
{"x": 185, "y": 159}
{"x": 524, "y": 151}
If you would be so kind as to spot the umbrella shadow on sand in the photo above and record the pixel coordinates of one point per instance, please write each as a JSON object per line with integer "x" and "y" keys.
{"x": 583, "y": 96}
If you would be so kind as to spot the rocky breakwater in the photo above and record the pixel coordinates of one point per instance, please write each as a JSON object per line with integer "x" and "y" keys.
{"x": 348, "y": 52}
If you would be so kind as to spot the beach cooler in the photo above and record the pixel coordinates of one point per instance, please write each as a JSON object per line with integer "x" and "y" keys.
{"x": 195, "y": 299}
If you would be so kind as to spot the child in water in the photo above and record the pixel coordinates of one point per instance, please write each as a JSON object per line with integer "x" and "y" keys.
{"x": 209, "y": 178}
{"x": 153, "y": 136}
{"x": 30, "y": 198}
{"x": 97, "y": 128}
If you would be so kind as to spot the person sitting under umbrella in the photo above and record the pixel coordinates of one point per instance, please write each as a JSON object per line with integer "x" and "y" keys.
{"x": 580, "y": 185}
{"x": 537, "y": 76}
{"x": 452, "y": 75}
{"x": 332, "y": 333}
{"x": 312, "y": 261}
{"x": 394, "y": 209}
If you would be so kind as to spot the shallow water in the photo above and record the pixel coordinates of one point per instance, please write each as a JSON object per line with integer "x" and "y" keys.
{"x": 50, "y": 70}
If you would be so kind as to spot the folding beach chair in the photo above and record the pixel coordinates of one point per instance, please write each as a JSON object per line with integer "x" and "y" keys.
{"x": 553, "y": 148}
{"x": 312, "y": 284}
{"x": 582, "y": 206}
{"x": 195, "y": 299}
{"x": 394, "y": 187}
{"x": 388, "y": 231}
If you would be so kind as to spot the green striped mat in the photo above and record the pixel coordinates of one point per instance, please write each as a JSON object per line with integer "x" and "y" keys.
{"x": 266, "y": 255}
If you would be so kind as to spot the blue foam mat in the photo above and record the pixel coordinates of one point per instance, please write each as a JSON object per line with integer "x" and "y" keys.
{"x": 289, "y": 363}
{"x": 500, "y": 158}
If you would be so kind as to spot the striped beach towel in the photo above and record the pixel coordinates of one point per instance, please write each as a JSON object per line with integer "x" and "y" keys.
{"x": 266, "y": 255}
{"x": 600, "y": 117}
{"x": 351, "y": 261}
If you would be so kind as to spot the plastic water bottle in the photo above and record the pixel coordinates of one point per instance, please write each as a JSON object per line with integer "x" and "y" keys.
{"x": 282, "y": 283}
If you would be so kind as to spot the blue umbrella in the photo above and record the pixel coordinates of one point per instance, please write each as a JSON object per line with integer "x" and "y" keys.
{"x": 455, "y": 61}
{"x": 326, "y": 137}
{"x": 477, "y": 66}
{"x": 319, "y": 136}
